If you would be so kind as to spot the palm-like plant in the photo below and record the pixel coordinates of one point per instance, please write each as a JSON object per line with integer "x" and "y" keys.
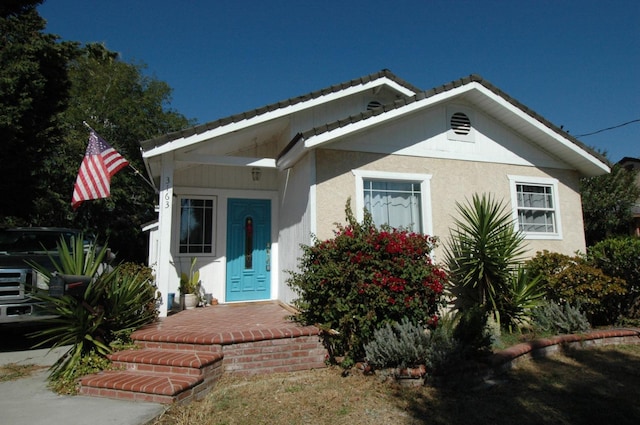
{"x": 74, "y": 259}
{"x": 523, "y": 294}
{"x": 115, "y": 302}
{"x": 482, "y": 252}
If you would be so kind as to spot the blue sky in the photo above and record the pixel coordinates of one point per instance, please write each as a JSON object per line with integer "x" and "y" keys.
{"x": 577, "y": 63}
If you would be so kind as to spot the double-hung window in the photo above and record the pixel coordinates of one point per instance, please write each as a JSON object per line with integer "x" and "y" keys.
{"x": 395, "y": 199}
{"x": 535, "y": 203}
{"x": 197, "y": 225}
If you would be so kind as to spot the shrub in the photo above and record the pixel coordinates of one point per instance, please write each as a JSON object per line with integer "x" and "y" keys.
{"x": 363, "y": 278}
{"x": 551, "y": 317}
{"x": 522, "y": 294}
{"x": 572, "y": 280}
{"x": 113, "y": 304}
{"x": 482, "y": 251}
{"x": 483, "y": 256}
{"x": 620, "y": 257}
{"x": 472, "y": 332}
{"x": 90, "y": 363}
{"x": 399, "y": 345}
{"x": 404, "y": 344}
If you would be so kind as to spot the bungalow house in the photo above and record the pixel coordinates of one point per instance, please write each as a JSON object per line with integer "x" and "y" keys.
{"x": 241, "y": 194}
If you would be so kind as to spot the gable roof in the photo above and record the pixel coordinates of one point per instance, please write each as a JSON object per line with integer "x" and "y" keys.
{"x": 473, "y": 88}
{"x": 477, "y": 90}
{"x": 384, "y": 74}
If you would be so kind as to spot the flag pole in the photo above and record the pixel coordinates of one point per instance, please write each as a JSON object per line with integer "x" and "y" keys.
{"x": 135, "y": 170}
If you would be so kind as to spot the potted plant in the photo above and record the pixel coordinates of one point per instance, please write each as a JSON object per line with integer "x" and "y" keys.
{"x": 190, "y": 287}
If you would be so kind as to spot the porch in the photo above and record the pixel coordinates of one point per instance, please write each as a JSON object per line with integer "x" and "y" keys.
{"x": 181, "y": 356}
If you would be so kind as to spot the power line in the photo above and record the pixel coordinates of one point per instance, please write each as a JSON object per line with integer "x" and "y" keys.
{"x": 608, "y": 128}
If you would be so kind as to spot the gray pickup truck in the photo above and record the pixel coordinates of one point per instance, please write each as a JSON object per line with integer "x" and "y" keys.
{"x": 18, "y": 281}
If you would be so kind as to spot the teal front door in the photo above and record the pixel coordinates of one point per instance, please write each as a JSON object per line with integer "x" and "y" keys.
{"x": 248, "y": 249}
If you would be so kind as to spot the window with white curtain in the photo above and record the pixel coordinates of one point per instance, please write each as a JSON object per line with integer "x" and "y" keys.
{"x": 536, "y": 206}
{"x": 196, "y": 226}
{"x": 395, "y": 203}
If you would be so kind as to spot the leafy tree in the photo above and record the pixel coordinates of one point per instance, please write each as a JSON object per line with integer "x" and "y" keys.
{"x": 33, "y": 92}
{"x": 607, "y": 202}
{"x": 124, "y": 106}
{"x": 47, "y": 90}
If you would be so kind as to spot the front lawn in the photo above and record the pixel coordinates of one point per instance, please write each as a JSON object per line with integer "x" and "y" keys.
{"x": 598, "y": 385}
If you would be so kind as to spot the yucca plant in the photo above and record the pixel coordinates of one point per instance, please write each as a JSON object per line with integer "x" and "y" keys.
{"x": 73, "y": 259}
{"x": 115, "y": 302}
{"x": 523, "y": 293}
{"x": 483, "y": 250}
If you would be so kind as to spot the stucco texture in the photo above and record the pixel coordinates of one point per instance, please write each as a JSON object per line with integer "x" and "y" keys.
{"x": 452, "y": 181}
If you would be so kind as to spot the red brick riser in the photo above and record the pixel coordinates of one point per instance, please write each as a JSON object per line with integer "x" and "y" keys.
{"x": 503, "y": 360}
{"x": 179, "y": 366}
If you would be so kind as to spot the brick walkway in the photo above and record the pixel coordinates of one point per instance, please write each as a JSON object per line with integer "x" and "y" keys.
{"x": 181, "y": 356}
{"x": 226, "y": 324}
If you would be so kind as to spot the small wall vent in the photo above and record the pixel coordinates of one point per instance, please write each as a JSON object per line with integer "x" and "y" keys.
{"x": 374, "y": 104}
{"x": 460, "y": 123}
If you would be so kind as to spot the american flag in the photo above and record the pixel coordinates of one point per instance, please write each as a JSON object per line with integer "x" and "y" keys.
{"x": 100, "y": 162}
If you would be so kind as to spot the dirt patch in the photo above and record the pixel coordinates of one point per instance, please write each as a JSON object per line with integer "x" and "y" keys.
{"x": 14, "y": 371}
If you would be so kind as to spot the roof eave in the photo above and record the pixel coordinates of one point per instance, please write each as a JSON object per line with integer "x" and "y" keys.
{"x": 588, "y": 163}
{"x": 200, "y": 133}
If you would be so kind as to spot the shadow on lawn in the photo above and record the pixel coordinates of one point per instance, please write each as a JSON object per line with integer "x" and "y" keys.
{"x": 575, "y": 387}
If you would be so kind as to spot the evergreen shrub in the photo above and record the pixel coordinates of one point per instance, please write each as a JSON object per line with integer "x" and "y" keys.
{"x": 554, "y": 318}
{"x": 363, "y": 278}
{"x": 404, "y": 344}
{"x": 573, "y": 280}
{"x": 399, "y": 345}
{"x": 620, "y": 257}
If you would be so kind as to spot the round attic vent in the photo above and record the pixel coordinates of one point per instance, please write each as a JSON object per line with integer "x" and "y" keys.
{"x": 460, "y": 123}
{"x": 373, "y": 105}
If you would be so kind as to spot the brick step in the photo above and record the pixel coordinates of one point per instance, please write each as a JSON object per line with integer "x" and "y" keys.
{"x": 167, "y": 361}
{"x": 178, "y": 346}
{"x": 140, "y": 386}
{"x": 159, "y": 376}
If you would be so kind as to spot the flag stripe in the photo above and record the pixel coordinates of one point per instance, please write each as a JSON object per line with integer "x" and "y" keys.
{"x": 100, "y": 163}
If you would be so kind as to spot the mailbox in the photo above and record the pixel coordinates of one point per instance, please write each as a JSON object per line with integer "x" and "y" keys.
{"x": 68, "y": 284}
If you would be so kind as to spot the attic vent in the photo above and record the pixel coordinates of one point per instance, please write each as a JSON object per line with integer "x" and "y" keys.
{"x": 373, "y": 105}
{"x": 460, "y": 123}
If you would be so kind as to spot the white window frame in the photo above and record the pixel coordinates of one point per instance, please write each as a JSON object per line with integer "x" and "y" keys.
{"x": 425, "y": 192}
{"x": 214, "y": 230}
{"x": 537, "y": 181}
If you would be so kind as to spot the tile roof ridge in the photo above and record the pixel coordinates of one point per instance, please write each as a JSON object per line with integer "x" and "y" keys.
{"x": 540, "y": 118}
{"x": 472, "y": 78}
{"x": 201, "y": 128}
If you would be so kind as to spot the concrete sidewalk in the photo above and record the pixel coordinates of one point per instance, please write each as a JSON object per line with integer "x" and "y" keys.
{"x": 29, "y": 401}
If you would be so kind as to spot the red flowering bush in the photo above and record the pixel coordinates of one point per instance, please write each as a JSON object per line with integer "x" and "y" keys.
{"x": 364, "y": 278}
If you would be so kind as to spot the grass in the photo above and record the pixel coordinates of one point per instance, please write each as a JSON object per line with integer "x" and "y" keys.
{"x": 599, "y": 385}
{"x": 14, "y": 371}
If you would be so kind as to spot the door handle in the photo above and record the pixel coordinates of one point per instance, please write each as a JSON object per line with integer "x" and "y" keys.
{"x": 268, "y": 262}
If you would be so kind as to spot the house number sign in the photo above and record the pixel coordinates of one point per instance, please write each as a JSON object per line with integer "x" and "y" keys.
{"x": 167, "y": 192}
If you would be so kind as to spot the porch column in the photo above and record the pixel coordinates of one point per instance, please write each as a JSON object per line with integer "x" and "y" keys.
{"x": 164, "y": 269}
